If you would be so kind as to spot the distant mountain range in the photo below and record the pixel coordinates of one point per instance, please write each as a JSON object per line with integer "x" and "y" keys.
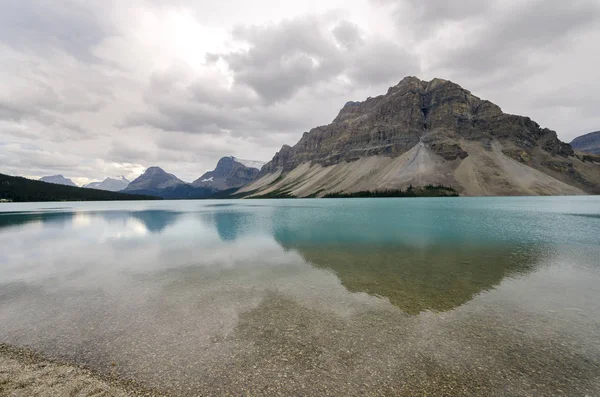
{"x": 421, "y": 138}
{"x": 18, "y": 189}
{"x": 589, "y": 143}
{"x": 110, "y": 184}
{"x": 427, "y": 133}
{"x": 58, "y": 180}
{"x": 229, "y": 175}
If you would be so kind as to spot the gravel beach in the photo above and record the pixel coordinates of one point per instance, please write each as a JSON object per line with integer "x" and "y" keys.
{"x": 24, "y": 373}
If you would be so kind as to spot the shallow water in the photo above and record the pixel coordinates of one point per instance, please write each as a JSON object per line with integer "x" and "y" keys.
{"x": 461, "y": 296}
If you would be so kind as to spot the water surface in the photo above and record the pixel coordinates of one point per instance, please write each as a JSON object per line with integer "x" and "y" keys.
{"x": 461, "y": 296}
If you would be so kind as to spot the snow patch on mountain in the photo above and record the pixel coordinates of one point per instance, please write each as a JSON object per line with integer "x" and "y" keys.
{"x": 250, "y": 163}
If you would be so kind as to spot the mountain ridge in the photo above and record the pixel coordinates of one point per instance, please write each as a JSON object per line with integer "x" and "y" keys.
{"x": 588, "y": 143}
{"x": 58, "y": 180}
{"x": 110, "y": 184}
{"x": 157, "y": 182}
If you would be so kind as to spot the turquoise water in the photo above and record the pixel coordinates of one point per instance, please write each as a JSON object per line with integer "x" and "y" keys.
{"x": 460, "y": 296}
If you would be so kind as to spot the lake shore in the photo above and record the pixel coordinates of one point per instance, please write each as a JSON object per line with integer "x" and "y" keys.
{"x": 24, "y": 372}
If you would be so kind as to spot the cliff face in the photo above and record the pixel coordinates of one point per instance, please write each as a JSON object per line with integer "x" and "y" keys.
{"x": 423, "y": 132}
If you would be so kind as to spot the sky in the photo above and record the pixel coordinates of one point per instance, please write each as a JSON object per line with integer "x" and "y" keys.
{"x": 101, "y": 88}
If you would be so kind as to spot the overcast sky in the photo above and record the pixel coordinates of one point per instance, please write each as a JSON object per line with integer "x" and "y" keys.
{"x": 91, "y": 89}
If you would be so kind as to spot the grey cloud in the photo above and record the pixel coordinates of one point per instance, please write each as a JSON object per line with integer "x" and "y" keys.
{"x": 184, "y": 116}
{"x": 71, "y": 72}
{"x": 284, "y": 57}
{"x": 73, "y": 26}
{"x": 302, "y": 55}
{"x": 122, "y": 151}
{"x": 56, "y": 128}
{"x": 420, "y": 19}
{"x": 48, "y": 70}
{"x": 508, "y": 40}
{"x": 382, "y": 62}
{"x": 348, "y": 34}
{"x": 12, "y": 113}
{"x": 16, "y": 130}
{"x": 543, "y": 22}
{"x": 40, "y": 105}
{"x": 444, "y": 10}
{"x": 179, "y": 102}
{"x": 207, "y": 92}
{"x": 46, "y": 91}
{"x": 36, "y": 157}
{"x": 295, "y": 54}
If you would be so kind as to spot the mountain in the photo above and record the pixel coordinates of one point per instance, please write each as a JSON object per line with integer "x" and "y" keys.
{"x": 423, "y": 134}
{"x": 57, "y": 179}
{"x": 157, "y": 182}
{"x": 18, "y": 189}
{"x": 154, "y": 178}
{"x": 589, "y": 143}
{"x": 229, "y": 173}
{"x": 110, "y": 184}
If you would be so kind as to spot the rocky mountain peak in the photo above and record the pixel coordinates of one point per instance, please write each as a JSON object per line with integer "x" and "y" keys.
{"x": 281, "y": 160}
{"x": 431, "y": 122}
{"x": 438, "y": 112}
{"x": 229, "y": 173}
{"x": 154, "y": 178}
{"x": 154, "y": 171}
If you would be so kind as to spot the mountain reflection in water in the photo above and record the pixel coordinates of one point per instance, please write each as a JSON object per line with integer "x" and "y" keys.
{"x": 194, "y": 296}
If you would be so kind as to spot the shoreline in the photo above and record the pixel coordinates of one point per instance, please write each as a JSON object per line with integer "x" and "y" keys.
{"x": 26, "y": 372}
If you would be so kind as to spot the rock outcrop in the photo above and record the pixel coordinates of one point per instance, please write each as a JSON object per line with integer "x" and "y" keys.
{"x": 57, "y": 180}
{"x": 229, "y": 173}
{"x": 422, "y": 133}
{"x": 588, "y": 143}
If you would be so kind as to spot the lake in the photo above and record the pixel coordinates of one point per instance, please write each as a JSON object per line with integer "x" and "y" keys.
{"x": 449, "y": 296}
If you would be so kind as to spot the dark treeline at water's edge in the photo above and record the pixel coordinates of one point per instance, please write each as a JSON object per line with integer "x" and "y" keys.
{"x": 18, "y": 189}
{"x": 427, "y": 191}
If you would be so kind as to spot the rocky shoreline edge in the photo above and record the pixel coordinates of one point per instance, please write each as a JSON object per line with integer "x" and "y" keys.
{"x": 25, "y": 372}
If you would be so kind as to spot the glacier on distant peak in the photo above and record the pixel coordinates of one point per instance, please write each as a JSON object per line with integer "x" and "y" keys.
{"x": 250, "y": 163}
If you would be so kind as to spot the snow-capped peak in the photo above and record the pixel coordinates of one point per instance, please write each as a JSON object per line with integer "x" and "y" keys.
{"x": 250, "y": 163}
